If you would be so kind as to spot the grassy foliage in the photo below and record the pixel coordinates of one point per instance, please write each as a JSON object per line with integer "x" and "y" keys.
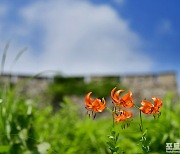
{"x": 16, "y": 122}
{"x": 24, "y": 128}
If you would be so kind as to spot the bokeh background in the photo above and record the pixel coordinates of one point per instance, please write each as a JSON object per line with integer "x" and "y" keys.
{"x": 92, "y": 36}
{"x": 72, "y": 39}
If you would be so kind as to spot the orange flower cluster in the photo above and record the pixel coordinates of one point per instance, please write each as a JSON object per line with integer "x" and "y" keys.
{"x": 126, "y": 101}
{"x": 94, "y": 105}
{"x": 123, "y": 115}
{"x": 149, "y": 108}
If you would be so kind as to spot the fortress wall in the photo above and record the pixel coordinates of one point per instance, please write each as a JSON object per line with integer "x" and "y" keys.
{"x": 146, "y": 86}
{"x": 142, "y": 86}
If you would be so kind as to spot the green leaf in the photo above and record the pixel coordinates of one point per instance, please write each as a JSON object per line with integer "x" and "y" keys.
{"x": 4, "y": 148}
{"x": 111, "y": 137}
{"x": 111, "y": 145}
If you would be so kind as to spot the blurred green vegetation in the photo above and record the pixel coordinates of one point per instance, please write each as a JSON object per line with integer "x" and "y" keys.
{"x": 25, "y": 128}
{"x": 66, "y": 86}
{"x": 16, "y": 121}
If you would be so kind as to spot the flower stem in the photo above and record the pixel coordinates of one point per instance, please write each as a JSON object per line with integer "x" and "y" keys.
{"x": 137, "y": 107}
{"x": 113, "y": 120}
{"x": 144, "y": 142}
{"x": 113, "y": 112}
{"x": 141, "y": 123}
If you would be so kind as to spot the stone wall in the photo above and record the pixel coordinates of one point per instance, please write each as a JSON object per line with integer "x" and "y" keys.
{"x": 27, "y": 85}
{"x": 146, "y": 86}
{"x": 142, "y": 86}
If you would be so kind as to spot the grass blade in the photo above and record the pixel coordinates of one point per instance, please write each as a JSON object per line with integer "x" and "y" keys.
{"x": 20, "y": 53}
{"x": 4, "y": 57}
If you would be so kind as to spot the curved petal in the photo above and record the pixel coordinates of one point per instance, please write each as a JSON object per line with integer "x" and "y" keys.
{"x": 101, "y": 108}
{"x": 146, "y": 109}
{"x": 115, "y": 96}
{"x": 146, "y": 103}
{"x": 96, "y": 102}
{"x": 123, "y": 116}
{"x": 98, "y": 106}
{"x": 120, "y": 118}
{"x": 104, "y": 102}
{"x": 115, "y": 100}
{"x": 129, "y": 115}
{"x": 149, "y": 108}
{"x": 157, "y": 102}
{"x": 88, "y": 100}
{"x": 127, "y": 100}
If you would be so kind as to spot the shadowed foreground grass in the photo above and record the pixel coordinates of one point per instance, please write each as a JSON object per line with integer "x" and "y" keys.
{"x": 70, "y": 134}
{"x": 24, "y": 128}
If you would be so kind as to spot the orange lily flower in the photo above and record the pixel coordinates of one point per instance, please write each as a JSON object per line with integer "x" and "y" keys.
{"x": 123, "y": 116}
{"x": 149, "y": 108}
{"x": 125, "y": 101}
{"x": 95, "y": 105}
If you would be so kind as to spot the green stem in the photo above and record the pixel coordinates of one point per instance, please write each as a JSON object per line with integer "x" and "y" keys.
{"x": 113, "y": 115}
{"x": 113, "y": 121}
{"x": 137, "y": 107}
{"x": 112, "y": 112}
{"x": 141, "y": 123}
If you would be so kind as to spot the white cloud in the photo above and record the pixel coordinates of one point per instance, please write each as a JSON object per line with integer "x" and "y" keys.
{"x": 79, "y": 38}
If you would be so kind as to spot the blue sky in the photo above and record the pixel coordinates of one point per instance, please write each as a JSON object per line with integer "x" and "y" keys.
{"x": 92, "y": 36}
{"x": 158, "y": 23}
